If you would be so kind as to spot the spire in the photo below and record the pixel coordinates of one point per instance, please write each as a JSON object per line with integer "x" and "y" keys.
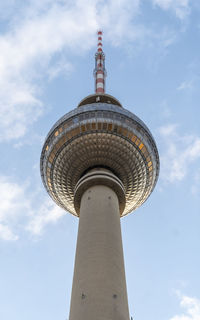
{"x": 99, "y": 71}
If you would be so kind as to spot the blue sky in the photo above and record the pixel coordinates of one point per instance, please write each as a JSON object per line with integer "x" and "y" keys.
{"x": 46, "y": 67}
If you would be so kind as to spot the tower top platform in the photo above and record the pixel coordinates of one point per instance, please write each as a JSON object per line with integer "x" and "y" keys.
{"x": 104, "y": 98}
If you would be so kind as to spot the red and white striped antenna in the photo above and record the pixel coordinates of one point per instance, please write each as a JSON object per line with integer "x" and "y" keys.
{"x": 99, "y": 71}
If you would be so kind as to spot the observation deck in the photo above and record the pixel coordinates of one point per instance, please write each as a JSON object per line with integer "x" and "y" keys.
{"x": 99, "y": 133}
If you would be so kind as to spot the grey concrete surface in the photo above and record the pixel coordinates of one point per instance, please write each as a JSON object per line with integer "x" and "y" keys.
{"x": 99, "y": 286}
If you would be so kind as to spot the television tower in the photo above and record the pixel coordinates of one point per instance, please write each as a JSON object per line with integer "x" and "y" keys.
{"x": 99, "y": 162}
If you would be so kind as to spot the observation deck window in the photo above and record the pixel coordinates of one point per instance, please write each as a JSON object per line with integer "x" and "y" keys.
{"x": 104, "y": 126}
{"x": 75, "y": 120}
{"x": 69, "y": 122}
{"x": 93, "y": 125}
{"x": 141, "y": 146}
{"x": 137, "y": 141}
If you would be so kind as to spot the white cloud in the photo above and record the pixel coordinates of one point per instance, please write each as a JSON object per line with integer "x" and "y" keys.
{"x": 6, "y": 233}
{"x": 13, "y": 202}
{"x": 20, "y": 210}
{"x": 60, "y": 67}
{"x": 191, "y": 306}
{"x": 48, "y": 213}
{"x": 185, "y": 85}
{"x": 179, "y": 7}
{"x": 122, "y": 11}
{"x": 25, "y": 50}
{"x": 41, "y": 33}
{"x": 180, "y": 151}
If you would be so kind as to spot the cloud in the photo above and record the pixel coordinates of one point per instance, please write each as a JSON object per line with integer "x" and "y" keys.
{"x": 124, "y": 12}
{"x": 191, "y": 306}
{"x": 20, "y": 211}
{"x": 48, "y": 213}
{"x": 25, "y": 53}
{"x": 180, "y": 151}
{"x": 186, "y": 85}
{"x": 192, "y": 84}
{"x": 38, "y": 34}
{"x": 6, "y": 233}
{"x": 13, "y": 202}
{"x": 60, "y": 67}
{"x": 179, "y": 7}
{"x": 32, "y": 45}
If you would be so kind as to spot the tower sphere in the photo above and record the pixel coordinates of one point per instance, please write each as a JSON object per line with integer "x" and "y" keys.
{"x": 99, "y": 133}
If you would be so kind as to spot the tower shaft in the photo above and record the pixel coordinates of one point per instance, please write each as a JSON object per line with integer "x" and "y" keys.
{"x": 99, "y": 285}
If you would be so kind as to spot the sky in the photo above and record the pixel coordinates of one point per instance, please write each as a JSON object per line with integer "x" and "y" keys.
{"x": 153, "y": 68}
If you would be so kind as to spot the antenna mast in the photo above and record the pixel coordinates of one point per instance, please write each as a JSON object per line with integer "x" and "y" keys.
{"x": 99, "y": 71}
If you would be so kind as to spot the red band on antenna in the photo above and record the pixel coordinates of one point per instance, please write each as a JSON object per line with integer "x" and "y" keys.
{"x": 99, "y": 71}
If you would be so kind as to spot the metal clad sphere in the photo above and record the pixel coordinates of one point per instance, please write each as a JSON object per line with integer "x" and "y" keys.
{"x": 99, "y": 134}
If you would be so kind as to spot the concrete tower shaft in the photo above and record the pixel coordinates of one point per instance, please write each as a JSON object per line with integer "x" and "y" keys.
{"x": 99, "y": 285}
